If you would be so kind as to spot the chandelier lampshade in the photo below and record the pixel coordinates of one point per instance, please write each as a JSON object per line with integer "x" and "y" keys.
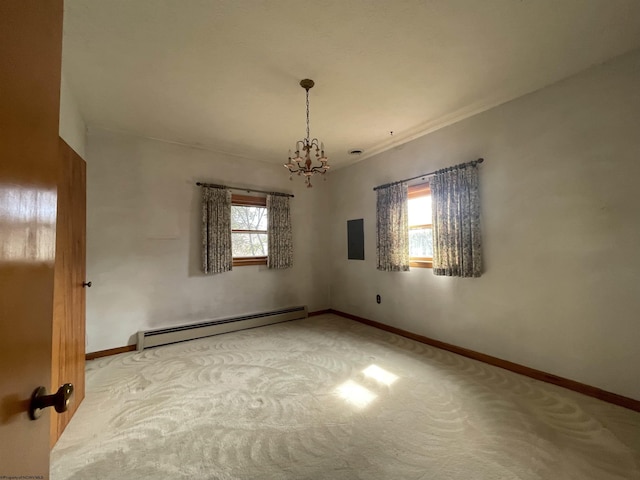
{"x": 302, "y": 163}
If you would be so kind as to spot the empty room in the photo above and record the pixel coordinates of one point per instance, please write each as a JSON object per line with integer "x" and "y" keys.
{"x": 296, "y": 239}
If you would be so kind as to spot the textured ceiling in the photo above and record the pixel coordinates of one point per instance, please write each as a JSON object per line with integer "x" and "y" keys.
{"x": 223, "y": 74}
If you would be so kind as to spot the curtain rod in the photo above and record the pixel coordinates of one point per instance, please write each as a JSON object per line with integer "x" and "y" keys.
{"x": 430, "y": 174}
{"x": 214, "y": 185}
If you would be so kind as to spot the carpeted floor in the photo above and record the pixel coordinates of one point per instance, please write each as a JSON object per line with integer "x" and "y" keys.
{"x": 328, "y": 398}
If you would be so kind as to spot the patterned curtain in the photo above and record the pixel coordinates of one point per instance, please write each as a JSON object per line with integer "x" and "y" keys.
{"x": 392, "y": 228}
{"x": 279, "y": 244}
{"x": 457, "y": 244}
{"x": 216, "y": 230}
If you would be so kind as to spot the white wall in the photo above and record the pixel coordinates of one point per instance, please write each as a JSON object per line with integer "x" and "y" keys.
{"x": 560, "y": 192}
{"x": 72, "y": 127}
{"x": 143, "y": 240}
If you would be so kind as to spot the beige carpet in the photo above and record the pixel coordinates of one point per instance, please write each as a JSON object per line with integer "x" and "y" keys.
{"x": 328, "y": 398}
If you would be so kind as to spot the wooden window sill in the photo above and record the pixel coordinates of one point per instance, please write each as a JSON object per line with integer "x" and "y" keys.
{"x": 421, "y": 263}
{"x": 245, "y": 261}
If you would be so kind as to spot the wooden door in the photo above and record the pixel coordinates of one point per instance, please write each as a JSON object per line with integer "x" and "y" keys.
{"x": 68, "y": 345}
{"x": 30, "y": 58}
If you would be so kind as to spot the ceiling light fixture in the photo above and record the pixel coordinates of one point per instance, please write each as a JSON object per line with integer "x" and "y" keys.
{"x": 304, "y": 165}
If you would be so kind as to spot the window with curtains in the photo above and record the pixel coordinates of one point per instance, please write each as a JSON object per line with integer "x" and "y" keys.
{"x": 444, "y": 236}
{"x": 420, "y": 226}
{"x": 249, "y": 224}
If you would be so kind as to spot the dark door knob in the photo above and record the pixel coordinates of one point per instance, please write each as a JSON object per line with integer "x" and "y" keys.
{"x": 86, "y": 284}
{"x": 59, "y": 400}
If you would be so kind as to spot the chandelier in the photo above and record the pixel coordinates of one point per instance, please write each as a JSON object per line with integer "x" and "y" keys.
{"x": 303, "y": 165}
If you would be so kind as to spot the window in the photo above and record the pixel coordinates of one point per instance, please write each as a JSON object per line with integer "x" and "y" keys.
{"x": 420, "y": 226}
{"x": 248, "y": 230}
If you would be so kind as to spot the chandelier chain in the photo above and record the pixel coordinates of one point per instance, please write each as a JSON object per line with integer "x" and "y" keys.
{"x": 307, "y": 114}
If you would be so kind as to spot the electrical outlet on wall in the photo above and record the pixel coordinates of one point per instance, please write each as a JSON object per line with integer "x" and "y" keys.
{"x": 378, "y": 299}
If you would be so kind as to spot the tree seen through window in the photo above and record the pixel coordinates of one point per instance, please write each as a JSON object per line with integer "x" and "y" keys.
{"x": 249, "y": 230}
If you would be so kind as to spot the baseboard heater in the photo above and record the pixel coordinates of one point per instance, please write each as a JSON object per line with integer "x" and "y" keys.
{"x": 164, "y": 336}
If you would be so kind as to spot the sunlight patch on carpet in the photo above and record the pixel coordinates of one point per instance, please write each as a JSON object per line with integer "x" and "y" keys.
{"x": 380, "y": 375}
